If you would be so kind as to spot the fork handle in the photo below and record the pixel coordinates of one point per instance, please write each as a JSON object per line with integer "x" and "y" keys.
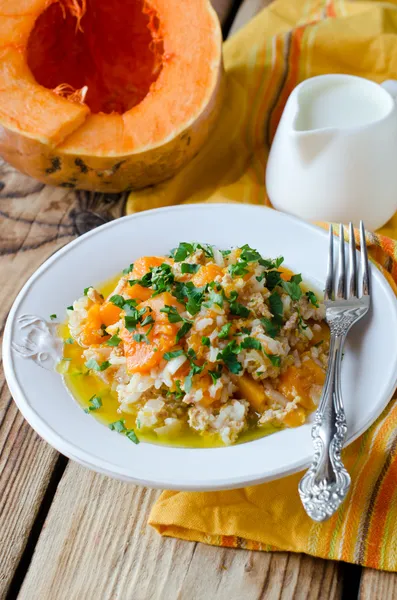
{"x": 324, "y": 486}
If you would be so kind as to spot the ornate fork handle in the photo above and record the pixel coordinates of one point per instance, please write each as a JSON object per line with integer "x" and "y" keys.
{"x": 325, "y": 485}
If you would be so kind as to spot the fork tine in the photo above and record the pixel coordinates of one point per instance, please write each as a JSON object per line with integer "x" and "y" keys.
{"x": 341, "y": 288}
{"x": 364, "y": 261}
{"x": 329, "y": 282}
{"x": 352, "y": 263}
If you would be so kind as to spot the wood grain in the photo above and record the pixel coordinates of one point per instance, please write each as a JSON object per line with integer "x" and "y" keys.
{"x": 377, "y": 585}
{"x": 95, "y": 544}
{"x": 248, "y": 9}
{"x": 35, "y": 220}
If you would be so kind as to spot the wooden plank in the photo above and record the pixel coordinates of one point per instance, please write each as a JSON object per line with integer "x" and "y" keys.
{"x": 377, "y": 585}
{"x": 248, "y": 9}
{"x": 26, "y": 462}
{"x": 35, "y": 220}
{"x": 95, "y": 544}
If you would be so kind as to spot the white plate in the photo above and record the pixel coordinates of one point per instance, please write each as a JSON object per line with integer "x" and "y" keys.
{"x": 369, "y": 367}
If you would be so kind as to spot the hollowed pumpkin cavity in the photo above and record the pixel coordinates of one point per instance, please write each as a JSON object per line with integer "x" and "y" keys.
{"x": 114, "y": 49}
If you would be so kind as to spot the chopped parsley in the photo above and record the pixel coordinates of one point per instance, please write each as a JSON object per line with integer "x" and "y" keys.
{"x": 276, "y": 305}
{"x": 186, "y": 327}
{"x": 189, "y": 268}
{"x": 274, "y": 359}
{"x": 129, "y": 307}
{"x": 92, "y": 364}
{"x": 206, "y": 248}
{"x": 130, "y": 433}
{"x": 87, "y": 289}
{"x": 173, "y": 314}
{"x": 70, "y": 307}
{"x": 239, "y": 309}
{"x": 215, "y": 375}
{"x": 273, "y": 278}
{"x": 147, "y": 320}
{"x": 174, "y": 354}
{"x": 179, "y": 393}
{"x": 69, "y": 341}
{"x": 186, "y": 249}
{"x": 114, "y": 340}
{"x": 249, "y": 254}
{"x": 117, "y": 300}
{"x": 141, "y": 337}
{"x": 52, "y": 317}
{"x": 229, "y": 356}
{"x": 120, "y": 427}
{"x": 224, "y": 332}
{"x": 318, "y": 344}
{"x": 214, "y": 297}
{"x": 160, "y": 279}
{"x": 271, "y": 264}
{"x": 271, "y": 326}
{"x": 311, "y": 296}
{"x": 292, "y": 287}
{"x": 133, "y": 317}
{"x": 238, "y": 269}
{"x": 191, "y": 353}
{"x": 95, "y": 403}
{"x": 195, "y": 299}
{"x": 301, "y": 324}
{"x": 182, "y": 252}
{"x": 189, "y": 295}
{"x": 225, "y": 252}
{"x": 251, "y": 343}
{"x": 128, "y": 269}
{"x": 205, "y": 341}
{"x": 194, "y": 370}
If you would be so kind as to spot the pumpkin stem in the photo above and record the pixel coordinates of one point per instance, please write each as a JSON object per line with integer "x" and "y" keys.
{"x": 67, "y": 91}
{"x": 77, "y": 8}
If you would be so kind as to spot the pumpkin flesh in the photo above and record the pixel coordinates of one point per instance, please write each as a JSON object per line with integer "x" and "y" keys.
{"x": 152, "y": 79}
{"x": 114, "y": 52}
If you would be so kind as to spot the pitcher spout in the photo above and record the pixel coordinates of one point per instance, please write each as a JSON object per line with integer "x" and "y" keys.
{"x": 312, "y": 143}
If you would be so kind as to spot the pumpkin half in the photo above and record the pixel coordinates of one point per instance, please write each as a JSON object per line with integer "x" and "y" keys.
{"x": 107, "y": 95}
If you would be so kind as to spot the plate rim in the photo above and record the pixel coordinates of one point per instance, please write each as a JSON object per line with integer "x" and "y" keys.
{"x": 92, "y": 462}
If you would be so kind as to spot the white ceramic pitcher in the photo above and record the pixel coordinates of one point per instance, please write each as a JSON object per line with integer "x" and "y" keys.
{"x": 334, "y": 156}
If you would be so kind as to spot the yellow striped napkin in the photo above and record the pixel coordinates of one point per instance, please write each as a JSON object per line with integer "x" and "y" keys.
{"x": 286, "y": 43}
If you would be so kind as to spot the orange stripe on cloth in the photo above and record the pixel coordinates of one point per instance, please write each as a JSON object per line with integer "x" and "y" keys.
{"x": 291, "y": 78}
{"x": 383, "y": 492}
{"x": 355, "y": 527}
{"x": 330, "y": 9}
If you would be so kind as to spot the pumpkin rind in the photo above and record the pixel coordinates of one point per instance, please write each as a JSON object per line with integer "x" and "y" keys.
{"x": 61, "y": 142}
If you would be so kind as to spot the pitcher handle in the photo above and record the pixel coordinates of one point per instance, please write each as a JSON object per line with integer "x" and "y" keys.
{"x": 390, "y": 85}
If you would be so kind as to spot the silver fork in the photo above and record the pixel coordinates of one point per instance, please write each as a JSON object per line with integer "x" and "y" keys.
{"x": 324, "y": 486}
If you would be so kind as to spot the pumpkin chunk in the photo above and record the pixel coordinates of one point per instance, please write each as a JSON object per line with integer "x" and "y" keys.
{"x": 160, "y": 336}
{"x": 252, "y": 391}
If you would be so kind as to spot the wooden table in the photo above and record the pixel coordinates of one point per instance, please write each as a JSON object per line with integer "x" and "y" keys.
{"x": 67, "y": 533}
